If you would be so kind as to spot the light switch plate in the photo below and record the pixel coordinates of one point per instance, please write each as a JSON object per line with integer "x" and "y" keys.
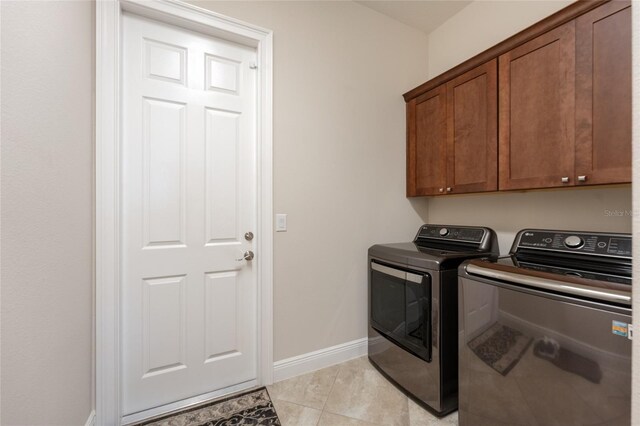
{"x": 281, "y": 222}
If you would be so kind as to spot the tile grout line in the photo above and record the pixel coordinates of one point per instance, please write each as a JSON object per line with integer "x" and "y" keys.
{"x": 324, "y": 404}
{"x": 341, "y": 365}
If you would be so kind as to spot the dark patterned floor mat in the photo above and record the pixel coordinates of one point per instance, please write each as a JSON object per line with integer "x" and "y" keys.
{"x": 250, "y": 408}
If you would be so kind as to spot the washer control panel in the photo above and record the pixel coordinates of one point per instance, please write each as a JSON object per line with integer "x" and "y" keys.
{"x": 602, "y": 244}
{"x": 573, "y": 241}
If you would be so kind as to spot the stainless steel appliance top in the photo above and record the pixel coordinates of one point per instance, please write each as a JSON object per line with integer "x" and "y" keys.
{"x": 588, "y": 265}
{"x": 438, "y": 247}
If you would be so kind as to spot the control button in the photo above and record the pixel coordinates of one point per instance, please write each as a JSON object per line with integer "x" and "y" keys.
{"x": 547, "y": 240}
{"x": 573, "y": 241}
{"x": 444, "y": 232}
{"x": 602, "y": 244}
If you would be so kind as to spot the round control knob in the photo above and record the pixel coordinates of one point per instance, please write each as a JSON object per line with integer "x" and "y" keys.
{"x": 573, "y": 241}
{"x": 444, "y": 232}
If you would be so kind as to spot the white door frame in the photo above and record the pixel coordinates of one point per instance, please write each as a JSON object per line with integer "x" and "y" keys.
{"x": 108, "y": 157}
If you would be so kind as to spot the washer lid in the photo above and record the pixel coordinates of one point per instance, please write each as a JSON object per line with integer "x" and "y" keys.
{"x": 550, "y": 278}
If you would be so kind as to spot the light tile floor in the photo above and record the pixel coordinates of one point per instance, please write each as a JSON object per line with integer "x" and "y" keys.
{"x": 350, "y": 394}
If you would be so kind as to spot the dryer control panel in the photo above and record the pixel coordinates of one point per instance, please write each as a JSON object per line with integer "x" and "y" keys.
{"x": 451, "y": 233}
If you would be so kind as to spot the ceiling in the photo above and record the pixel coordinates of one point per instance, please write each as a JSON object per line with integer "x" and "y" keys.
{"x": 425, "y": 15}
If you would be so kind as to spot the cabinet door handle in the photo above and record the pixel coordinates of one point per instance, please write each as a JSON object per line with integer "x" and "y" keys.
{"x": 449, "y": 189}
{"x": 441, "y": 190}
{"x": 582, "y": 178}
{"x": 565, "y": 179}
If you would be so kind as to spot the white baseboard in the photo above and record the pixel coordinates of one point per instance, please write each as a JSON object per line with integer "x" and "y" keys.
{"x": 91, "y": 421}
{"x": 316, "y": 360}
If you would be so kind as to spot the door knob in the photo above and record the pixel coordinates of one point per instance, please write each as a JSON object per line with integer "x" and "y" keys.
{"x": 248, "y": 255}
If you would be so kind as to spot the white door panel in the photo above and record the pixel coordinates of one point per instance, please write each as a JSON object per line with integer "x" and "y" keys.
{"x": 188, "y": 197}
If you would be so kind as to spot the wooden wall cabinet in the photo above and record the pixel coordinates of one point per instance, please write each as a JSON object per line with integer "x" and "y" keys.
{"x": 548, "y": 107}
{"x": 427, "y": 143}
{"x": 565, "y": 104}
{"x": 537, "y": 111}
{"x": 452, "y": 136}
{"x": 603, "y": 95}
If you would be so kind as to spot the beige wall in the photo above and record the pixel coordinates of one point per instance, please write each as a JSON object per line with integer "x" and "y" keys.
{"x": 47, "y": 139}
{"x": 339, "y": 165}
{"x": 477, "y": 27}
{"x": 635, "y": 410}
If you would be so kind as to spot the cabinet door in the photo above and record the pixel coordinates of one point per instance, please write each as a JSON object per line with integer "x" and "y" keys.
{"x": 472, "y": 130}
{"x": 426, "y": 143}
{"x": 603, "y": 94}
{"x": 537, "y": 111}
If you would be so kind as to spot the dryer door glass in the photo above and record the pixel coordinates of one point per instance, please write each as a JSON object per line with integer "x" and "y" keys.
{"x": 400, "y": 307}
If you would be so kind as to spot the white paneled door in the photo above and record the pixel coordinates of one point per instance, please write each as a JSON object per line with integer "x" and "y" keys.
{"x": 188, "y": 198}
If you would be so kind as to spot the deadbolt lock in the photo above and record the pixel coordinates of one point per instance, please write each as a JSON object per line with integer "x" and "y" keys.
{"x": 248, "y": 236}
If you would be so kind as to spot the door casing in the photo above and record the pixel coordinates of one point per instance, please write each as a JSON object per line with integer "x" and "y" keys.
{"x": 108, "y": 172}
